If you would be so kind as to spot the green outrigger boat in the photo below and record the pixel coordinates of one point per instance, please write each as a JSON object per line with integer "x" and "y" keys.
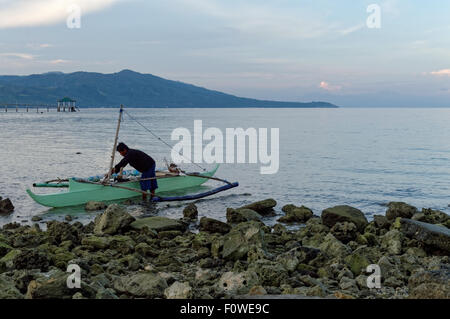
{"x": 80, "y": 191}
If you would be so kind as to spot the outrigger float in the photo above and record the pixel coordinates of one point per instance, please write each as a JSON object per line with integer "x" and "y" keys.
{"x": 126, "y": 185}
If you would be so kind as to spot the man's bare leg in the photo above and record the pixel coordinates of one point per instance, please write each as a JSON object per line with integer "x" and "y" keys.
{"x": 144, "y": 197}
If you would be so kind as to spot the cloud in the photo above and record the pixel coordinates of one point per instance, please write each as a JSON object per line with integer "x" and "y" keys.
{"x": 59, "y": 61}
{"x": 27, "y": 13}
{"x": 24, "y": 56}
{"x": 328, "y": 87}
{"x": 37, "y": 46}
{"x": 441, "y": 72}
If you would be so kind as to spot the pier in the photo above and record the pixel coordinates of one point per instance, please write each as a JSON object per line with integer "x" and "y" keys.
{"x": 64, "y": 105}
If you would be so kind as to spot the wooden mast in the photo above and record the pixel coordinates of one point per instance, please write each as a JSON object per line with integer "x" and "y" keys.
{"x": 108, "y": 176}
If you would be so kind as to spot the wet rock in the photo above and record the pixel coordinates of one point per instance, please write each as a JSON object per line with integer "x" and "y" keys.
{"x": 344, "y": 231}
{"x": 53, "y": 285}
{"x": 93, "y": 206}
{"x": 294, "y": 258}
{"x": 68, "y": 218}
{"x": 141, "y": 284}
{"x": 432, "y": 236}
{"x": 333, "y": 215}
{"x": 213, "y": 226}
{"x": 237, "y": 283}
{"x": 296, "y": 214}
{"x": 190, "y": 211}
{"x": 6, "y": 206}
{"x": 146, "y": 250}
{"x": 431, "y": 216}
{"x": 169, "y": 234}
{"x": 333, "y": 247}
{"x": 4, "y": 246}
{"x": 158, "y": 224}
{"x": 240, "y": 215}
{"x": 95, "y": 242}
{"x": 8, "y": 289}
{"x": 178, "y": 290}
{"x": 270, "y": 273}
{"x": 430, "y": 285}
{"x": 36, "y": 218}
{"x": 24, "y": 259}
{"x": 357, "y": 263}
{"x": 237, "y": 243}
{"x": 348, "y": 284}
{"x": 112, "y": 221}
{"x": 264, "y": 207}
{"x": 381, "y": 222}
{"x": 392, "y": 242}
{"x": 59, "y": 232}
{"x": 400, "y": 209}
{"x": 123, "y": 244}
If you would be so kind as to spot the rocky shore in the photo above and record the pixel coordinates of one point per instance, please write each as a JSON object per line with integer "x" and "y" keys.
{"x": 157, "y": 257}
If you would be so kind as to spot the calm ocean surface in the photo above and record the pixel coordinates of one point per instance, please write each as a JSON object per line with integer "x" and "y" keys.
{"x": 359, "y": 157}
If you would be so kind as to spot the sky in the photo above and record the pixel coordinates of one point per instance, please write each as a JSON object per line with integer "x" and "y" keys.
{"x": 288, "y": 50}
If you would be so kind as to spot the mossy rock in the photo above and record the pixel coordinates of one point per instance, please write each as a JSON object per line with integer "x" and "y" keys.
{"x": 357, "y": 263}
{"x": 158, "y": 224}
{"x": 344, "y": 213}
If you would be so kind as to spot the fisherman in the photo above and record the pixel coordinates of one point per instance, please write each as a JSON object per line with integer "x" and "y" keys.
{"x": 141, "y": 162}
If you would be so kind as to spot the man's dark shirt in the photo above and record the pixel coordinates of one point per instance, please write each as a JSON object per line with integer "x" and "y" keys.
{"x": 138, "y": 159}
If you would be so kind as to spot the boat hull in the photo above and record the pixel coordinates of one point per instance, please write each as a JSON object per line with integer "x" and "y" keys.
{"x": 81, "y": 193}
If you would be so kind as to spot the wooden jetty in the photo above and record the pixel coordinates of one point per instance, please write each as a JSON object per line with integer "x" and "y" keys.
{"x": 63, "y": 105}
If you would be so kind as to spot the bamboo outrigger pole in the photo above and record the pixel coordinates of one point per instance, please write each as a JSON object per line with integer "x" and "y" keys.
{"x": 108, "y": 176}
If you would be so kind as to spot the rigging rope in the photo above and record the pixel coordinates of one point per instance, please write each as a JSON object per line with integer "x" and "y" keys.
{"x": 164, "y": 142}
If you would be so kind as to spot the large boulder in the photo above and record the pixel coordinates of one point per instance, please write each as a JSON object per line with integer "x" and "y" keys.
{"x": 430, "y": 285}
{"x": 400, "y": 209}
{"x": 344, "y": 213}
{"x": 264, "y": 207}
{"x": 213, "y": 226}
{"x": 141, "y": 284}
{"x": 6, "y": 206}
{"x": 237, "y": 243}
{"x": 432, "y": 236}
{"x": 112, "y": 221}
{"x": 296, "y": 214}
{"x": 158, "y": 224}
{"x": 240, "y": 215}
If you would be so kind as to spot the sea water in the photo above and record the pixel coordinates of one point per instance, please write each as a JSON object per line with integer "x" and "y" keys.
{"x": 347, "y": 156}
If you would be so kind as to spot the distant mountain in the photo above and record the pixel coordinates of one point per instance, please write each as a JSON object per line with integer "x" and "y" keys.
{"x": 129, "y": 88}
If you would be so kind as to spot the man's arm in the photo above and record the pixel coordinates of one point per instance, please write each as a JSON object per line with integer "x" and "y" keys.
{"x": 124, "y": 162}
